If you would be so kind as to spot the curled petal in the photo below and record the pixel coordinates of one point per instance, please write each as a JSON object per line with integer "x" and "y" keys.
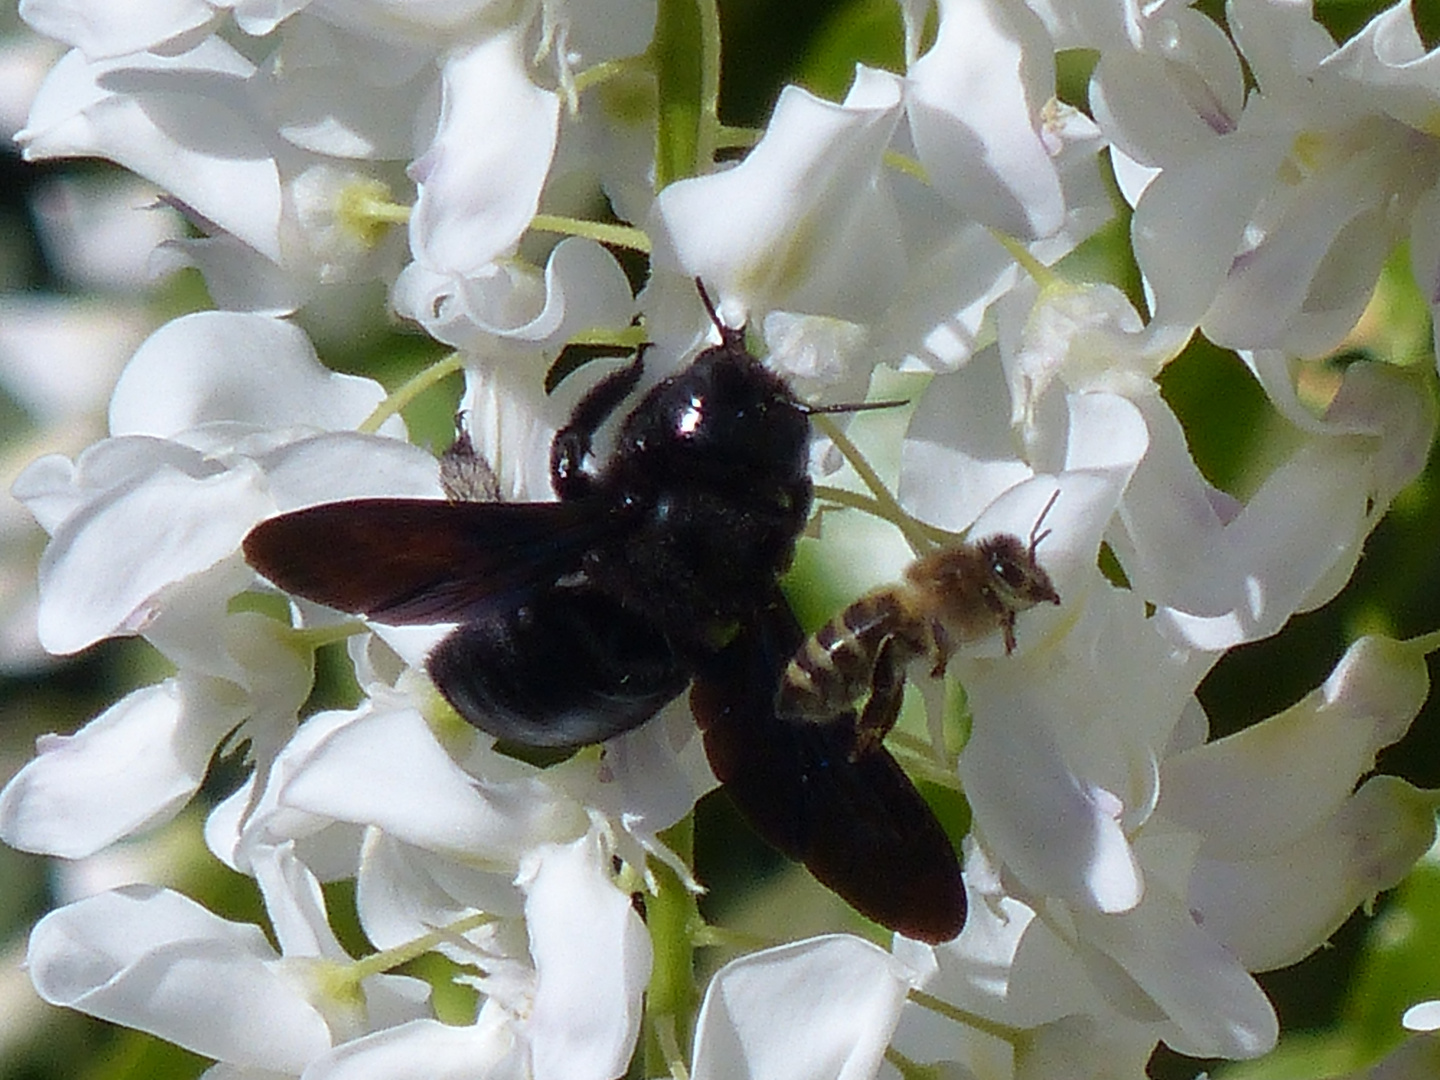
{"x": 479, "y": 181}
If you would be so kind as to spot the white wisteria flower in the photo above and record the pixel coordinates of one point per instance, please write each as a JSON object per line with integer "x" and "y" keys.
{"x": 1224, "y": 858}
{"x": 219, "y": 420}
{"x": 815, "y": 227}
{"x": 292, "y": 165}
{"x": 1265, "y": 219}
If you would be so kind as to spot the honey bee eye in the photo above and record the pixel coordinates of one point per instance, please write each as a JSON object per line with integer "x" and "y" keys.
{"x": 1011, "y": 573}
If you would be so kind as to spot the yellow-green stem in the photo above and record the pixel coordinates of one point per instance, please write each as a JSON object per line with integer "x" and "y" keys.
{"x": 407, "y": 393}
{"x": 672, "y": 916}
{"x": 388, "y": 959}
{"x": 625, "y": 236}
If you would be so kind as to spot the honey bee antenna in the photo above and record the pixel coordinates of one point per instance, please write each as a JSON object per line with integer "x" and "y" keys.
{"x": 1035, "y": 534}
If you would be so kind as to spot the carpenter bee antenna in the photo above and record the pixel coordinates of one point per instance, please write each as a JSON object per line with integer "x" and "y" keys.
{"x": 851, "y": 407}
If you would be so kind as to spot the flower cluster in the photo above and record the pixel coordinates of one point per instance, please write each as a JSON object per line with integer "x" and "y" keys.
{"x": 1126, "y": 875}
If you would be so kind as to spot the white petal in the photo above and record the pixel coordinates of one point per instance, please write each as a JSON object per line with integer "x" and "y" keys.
{"x": 102, "y": 572}
{"x": 348, "y": 465}
{"x": 231, "y": 366}
{"x": 237, "y": 276}
{"x": 104, "y": 28}
{"x": 1274, "y": 910}
{"x": 479, "y": 182}
{"x": 1422, "y": 1016}
{"x": 583, "y": 289}
{"x": 1059, "y": 835}
{"x": 822, "y": 1009}
{"x": 387, "y": 770}
{"x": 155, "y": 960}
{"x": 1008, "y": 966}
{"x": 806, "y": 221}
{"x": 404, "y": 892}
{"x": 343, "y": 94}
{"x": 182, "y": 122}
{"x": 1282, "y": 43}
{"x": 132, "y": 767}
{"x": 1308, "y": 280}
{"x": 1190, "y": 222}
{"x": 973, "y": 102}
{"x": 428, "y": 1050}
{"x": 1161, "y": 104}
{"x": 1216, "y": 1007}
{"x": 592, "y": 962}
{"x": 1260, "y": 789}
{"x": 960, "y": 452}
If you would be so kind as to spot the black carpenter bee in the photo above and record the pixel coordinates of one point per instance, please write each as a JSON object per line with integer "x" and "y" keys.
{"x": 948, "y": 597}
{"x": 580, "y": 618}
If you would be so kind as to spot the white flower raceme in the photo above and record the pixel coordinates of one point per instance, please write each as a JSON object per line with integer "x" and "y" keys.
{"x": 155, "y": 960}
{"x": 218, "y": 421}
{"x": 1266, "y": 220}
{"x": 1081, "y": 395}
{"x": 815, "y": 225}
{"x": 1244, "y": 854}
{"x": 319, "y": 135}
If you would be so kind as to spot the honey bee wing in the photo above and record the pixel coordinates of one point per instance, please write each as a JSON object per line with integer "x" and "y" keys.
{"x": 855, "y": 821}
{"x": 405, "y": 561}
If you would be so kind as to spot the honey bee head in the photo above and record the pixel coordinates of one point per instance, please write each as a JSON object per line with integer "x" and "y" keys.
{"x": 1017, "y": 579}
{"x": 976, "y": 588}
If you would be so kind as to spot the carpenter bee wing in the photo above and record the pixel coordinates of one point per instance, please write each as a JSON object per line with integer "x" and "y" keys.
{"x": 404, "y": 561}
{"x": 852, "y": 817}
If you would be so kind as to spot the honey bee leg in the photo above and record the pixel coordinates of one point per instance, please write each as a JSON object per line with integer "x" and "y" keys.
{"x": 882, "y": 707}
{"x": 571, "y": 445}
{"x": 943, "y": 647}
{"x": 1007, "y": 628}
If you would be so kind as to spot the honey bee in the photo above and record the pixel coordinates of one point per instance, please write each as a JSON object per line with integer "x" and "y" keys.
{"x": 948, "y": 598}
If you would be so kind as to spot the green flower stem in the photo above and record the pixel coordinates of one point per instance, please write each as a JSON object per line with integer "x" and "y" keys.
{"x": 625, "y": 236}
{"x": 1043, "y": 275}
{"x": 686, "y": 54}
{"x": 921, "y": 537}
{"x": 388, "y": 959}
{"x": 315, "y": 637}
{"x": 960, "y": 1016}
{"x": 910, "y": 1069}
{"x": 407, "y": 393}
{"x": 672, "y": 917}
{"x": 918, "y": 758}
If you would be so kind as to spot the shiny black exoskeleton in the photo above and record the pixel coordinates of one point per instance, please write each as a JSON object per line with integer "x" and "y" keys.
{"x": 581, "y": 618}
